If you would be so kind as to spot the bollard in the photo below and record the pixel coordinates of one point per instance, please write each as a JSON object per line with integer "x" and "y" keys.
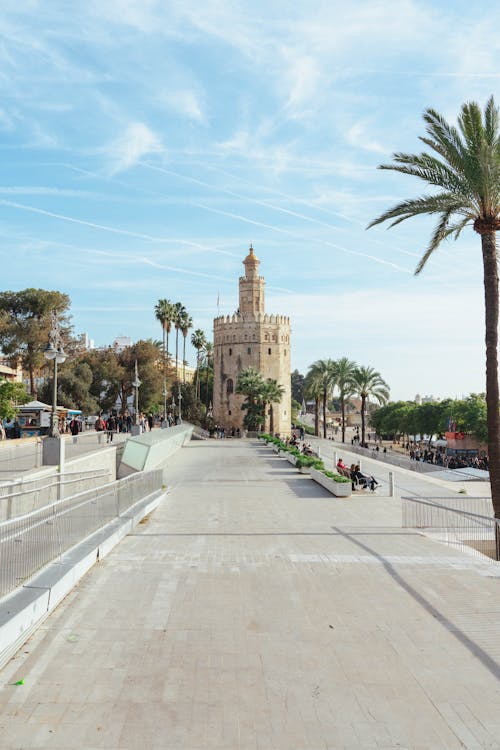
{"x": 391, "y": 484}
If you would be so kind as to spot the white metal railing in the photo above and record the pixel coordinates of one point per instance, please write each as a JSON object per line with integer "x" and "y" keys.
{"x": 19, "y": 497}
{"x": 30, "y": 541}
{"x": 462, "y": 522}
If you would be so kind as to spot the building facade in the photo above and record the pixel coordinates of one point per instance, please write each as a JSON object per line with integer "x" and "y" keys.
{"x": 251, "y": 338}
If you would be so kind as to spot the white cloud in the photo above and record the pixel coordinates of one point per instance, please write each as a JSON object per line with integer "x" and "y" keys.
{"x": 135, "y": 142}
{"x": 184, "y": 102}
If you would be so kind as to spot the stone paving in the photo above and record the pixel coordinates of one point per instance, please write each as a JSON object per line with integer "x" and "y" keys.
{"x": 253, "y": 611}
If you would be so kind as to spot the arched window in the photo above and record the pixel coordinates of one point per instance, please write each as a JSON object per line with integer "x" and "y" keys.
{"x": 229, "y": 386}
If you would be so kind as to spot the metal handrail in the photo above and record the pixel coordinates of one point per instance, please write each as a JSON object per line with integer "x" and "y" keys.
{"x": 32, "y": 540}
{"x": 471, "y": 528}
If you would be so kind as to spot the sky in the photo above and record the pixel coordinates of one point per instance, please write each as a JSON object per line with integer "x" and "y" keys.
{"x": 145, "y": 144}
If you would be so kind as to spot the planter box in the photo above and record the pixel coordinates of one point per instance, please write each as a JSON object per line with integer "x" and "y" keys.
{"x": 339, "y": 489}
{"x": 291, "y": 458}
{"x": 276, "y": 448}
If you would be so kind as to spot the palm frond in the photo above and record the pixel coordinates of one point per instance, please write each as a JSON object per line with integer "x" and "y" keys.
{"x": 431, "y": 204}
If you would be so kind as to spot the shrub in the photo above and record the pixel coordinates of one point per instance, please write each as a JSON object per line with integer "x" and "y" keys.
{"x": 336, "y": 477}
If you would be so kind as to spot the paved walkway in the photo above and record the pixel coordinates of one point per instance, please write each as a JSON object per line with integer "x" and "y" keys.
{"x": 253, "y": 611}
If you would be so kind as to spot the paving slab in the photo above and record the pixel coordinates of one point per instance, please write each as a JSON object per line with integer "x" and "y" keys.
{"x": 254, "y": 611}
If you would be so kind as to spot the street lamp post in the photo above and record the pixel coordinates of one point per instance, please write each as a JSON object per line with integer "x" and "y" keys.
{"x": 54, "y": 351}
{"x": 179, "y": 396}
{"x": 136, "y": 385}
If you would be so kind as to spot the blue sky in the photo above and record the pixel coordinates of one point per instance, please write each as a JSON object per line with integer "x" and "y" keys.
{"x": 146, "y": 143}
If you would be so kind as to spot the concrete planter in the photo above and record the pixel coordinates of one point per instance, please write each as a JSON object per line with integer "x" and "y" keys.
{"x": 276, "y": 448}
{"x": 339, "y": 489}
{"x": 291, "y": 458}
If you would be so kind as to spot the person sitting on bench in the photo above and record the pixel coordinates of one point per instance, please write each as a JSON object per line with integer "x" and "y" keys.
{"x": 363, "y": 480}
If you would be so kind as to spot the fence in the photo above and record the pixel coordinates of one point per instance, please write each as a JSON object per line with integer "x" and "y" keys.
{"x": 29, "y": 542}
{"x": 464, "y": 523}
{"x": 19, "y": 497}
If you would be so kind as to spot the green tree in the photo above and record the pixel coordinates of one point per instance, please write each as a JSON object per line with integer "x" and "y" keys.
{"x": 208, "y": 362}
{"x": 198, "y": 340}
{"x": 272, "y": 394}
{"x": 25, "y": 323}
{"x": 251, "y": 385}
{"x": 11, "y": 396}
{"x": 367, "y": 383}
{"x": 313, "y": 388}
{"x": 471, "y": 415}
{"x": 178, "y": 314}
{"x": 185, "y": 324}
{"x": 323, "y": 372}
{"x": 465, "y": 169}
{"x": 74, "y": 380}
{"x": 343, "y": 373}
{"x": 164, "y": 314}
{"x": 297, "y": 381}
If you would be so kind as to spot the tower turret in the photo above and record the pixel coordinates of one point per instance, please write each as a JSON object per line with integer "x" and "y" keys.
{"x": 251, "y": 286}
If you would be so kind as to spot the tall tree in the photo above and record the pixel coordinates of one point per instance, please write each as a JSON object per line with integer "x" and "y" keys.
{"x": 465, "y": 169}
{"x": 272, "y": 393}
{"x": 344, "y": 370}
{"x": 178, "y": 313}
{"x": 185, "y": 324}
{"x": 25, "y": 323}
{"x": 251, "y": 384}
{"x": 323, "y": 373}
{"x": 297, "y": 382}
{"x": 198, "y": 340}
{"x": 313, "y": 389}
{"x": 11, "y": 395}
{"x": 209, "y": 369}
{"x": 163, "y": 313}
{"x": 369, "y": 384}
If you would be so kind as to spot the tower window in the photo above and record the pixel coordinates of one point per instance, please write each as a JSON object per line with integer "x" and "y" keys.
{"x": 229, "y": 412}
{"x": 249, "y": 350}
{"x": 285, "y": 352}
{"x": 230, "y": 351}
{"x": 229, "y": 386}
{"x": 269, "y": 351}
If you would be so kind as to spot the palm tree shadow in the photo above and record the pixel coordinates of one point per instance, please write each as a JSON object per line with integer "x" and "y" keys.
{"x": 491, "y": 665}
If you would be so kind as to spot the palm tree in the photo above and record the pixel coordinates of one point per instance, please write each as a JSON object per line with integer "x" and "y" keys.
{"x": 272, "y": 393}
{"x": 185, "y": 324}
{"x": 198, "y": 340}
{"x": 313, "y": 389}
{"x": 344, "y": 369}
{"x": 465, "y": 166}
{"x": 163, "y": 313}
{"x": 178, "y": 313}
{"x": 323, "y": 372}
{"x": 251, "y": 384}
{"x": 367, "y": 383}
{"x": 209, "y": 361}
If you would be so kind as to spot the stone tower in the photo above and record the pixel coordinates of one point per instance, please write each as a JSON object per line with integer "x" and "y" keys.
{"x": 251, "y": 338}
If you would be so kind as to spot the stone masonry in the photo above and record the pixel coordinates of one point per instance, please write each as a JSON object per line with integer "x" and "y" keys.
{"x": 251, "y": 338}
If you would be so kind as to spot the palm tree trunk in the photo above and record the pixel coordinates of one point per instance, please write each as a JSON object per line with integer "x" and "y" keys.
{"x": 342, "y": 415}
{"x": 324, "y": 413}
{"x": 177, "y": 355}
{"x": 168, "y": 356}
{"x": 490, "y": 265}
{"x": 271, "y": 420}
{"x": 184, "y": 361}
{"x": 363, "y": 402}
{"x": 316, "y": 416}
{"x": 164, "y": 377}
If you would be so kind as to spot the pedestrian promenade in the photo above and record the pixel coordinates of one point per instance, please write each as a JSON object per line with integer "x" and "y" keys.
{"x": 254, "y": 611}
